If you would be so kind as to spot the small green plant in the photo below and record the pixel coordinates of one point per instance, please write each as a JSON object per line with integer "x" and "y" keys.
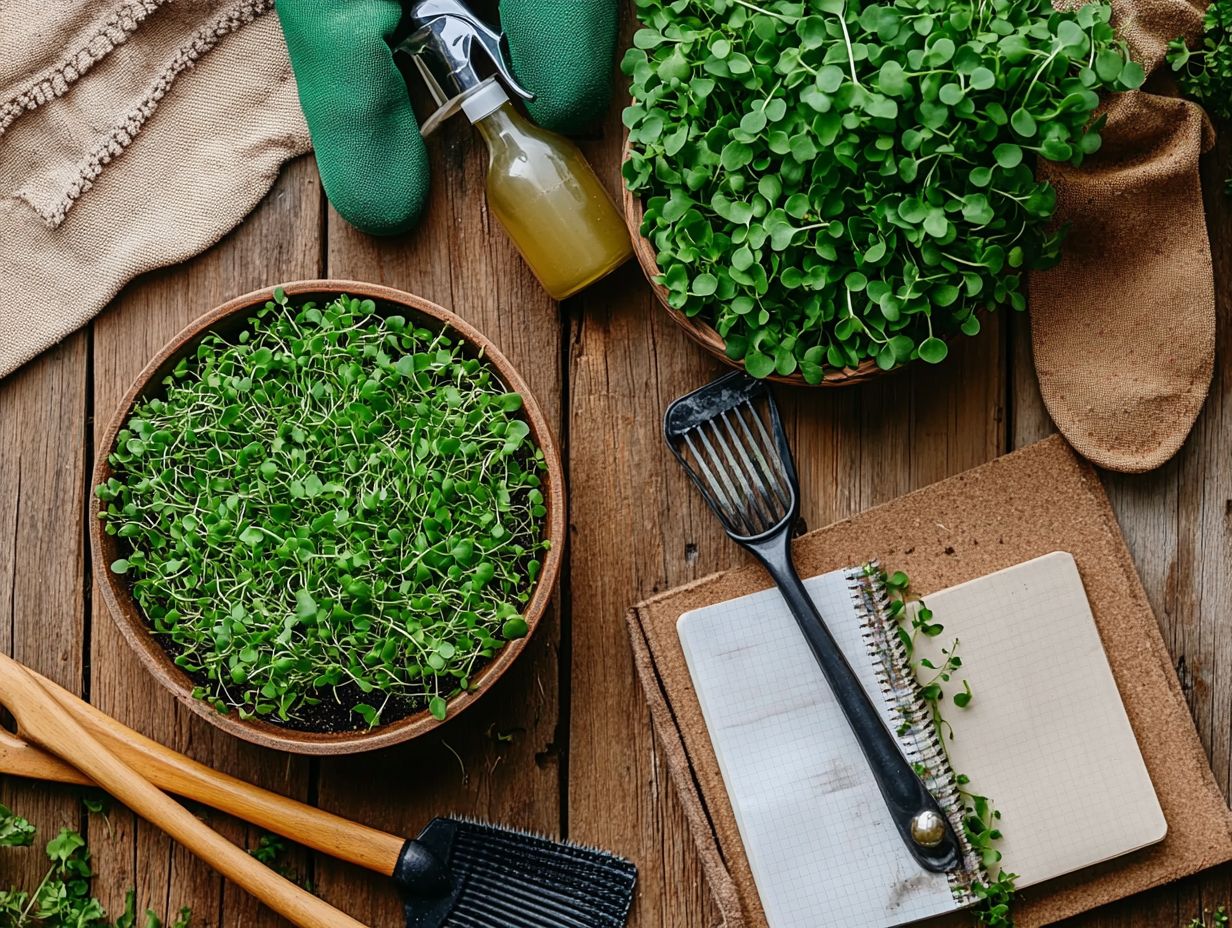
{"x": 63, "y": 898}
{"x": 15, "y": 831}
{"x": 981, "y": 820}
{"x": 1218, "y": 919}
{"x": 334, "y": 517}
{"x": 271, "y": 850}
{"x": 832, "y": 181}
{"x": 1205, "y": 73}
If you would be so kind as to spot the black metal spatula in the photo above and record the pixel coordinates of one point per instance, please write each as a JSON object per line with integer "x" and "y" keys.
{"x": 730, "y": 439}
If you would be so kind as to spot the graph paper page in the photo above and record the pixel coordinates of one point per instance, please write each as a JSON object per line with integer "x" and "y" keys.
{"x": 822, "y": 847}
{"x": 1046, "y": 736}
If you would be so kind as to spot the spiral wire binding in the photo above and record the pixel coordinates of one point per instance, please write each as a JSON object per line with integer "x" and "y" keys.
{"x": 920, "y": 742}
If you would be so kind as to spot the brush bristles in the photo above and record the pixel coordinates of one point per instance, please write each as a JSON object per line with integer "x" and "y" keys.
{"x": 738, "y": 466}
{"x": 520, "y": 880}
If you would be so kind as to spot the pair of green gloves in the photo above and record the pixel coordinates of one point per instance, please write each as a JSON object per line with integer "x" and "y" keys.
{"x": 369, "y": 151}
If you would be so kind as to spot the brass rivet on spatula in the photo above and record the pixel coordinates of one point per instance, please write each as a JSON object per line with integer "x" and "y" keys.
{"x": 928, "y": 829}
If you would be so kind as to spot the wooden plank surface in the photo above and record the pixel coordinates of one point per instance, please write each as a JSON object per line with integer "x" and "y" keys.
{"x": 563, "y": 746}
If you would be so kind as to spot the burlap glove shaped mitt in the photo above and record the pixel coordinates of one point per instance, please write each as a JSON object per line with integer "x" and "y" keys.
{"x": 1123, "y": 331}
{"x": 371, "y": 156}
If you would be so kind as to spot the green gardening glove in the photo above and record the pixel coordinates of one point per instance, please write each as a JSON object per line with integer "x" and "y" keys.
{"x": 369, "y": 151}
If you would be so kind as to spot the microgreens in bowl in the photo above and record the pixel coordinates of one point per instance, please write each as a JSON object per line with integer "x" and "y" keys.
{"x": 331, "y": 519}
{"x": 831, "y": 182}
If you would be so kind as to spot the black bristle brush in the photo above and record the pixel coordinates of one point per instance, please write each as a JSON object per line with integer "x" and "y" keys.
{"x": 456, "y": 874}
{"x": 464, "y": 874}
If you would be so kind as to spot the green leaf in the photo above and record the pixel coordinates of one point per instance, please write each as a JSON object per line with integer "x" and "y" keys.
{"x": 1132, "y": 76}
{"x": 1008, "y": 155}
{"x": 933, "y": 350}
{"x": 514, "y": 627}
{"x": 705, "y": 284}
{"x": 438, "y": 708}
{"x": 1023, "y": 123}
{"x": 758, "y": 365}
{"x": 305, "y": 604}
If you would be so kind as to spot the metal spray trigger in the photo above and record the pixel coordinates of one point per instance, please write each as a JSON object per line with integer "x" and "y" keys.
{"x": 443, "y": 47}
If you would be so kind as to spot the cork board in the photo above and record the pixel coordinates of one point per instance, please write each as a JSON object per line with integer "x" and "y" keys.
{"x": 1026, "y": 504}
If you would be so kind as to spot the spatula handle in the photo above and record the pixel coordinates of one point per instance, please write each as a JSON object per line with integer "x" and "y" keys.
{"x": 908, "y": 800}
{"x": 42, "y": 719}
{"x": 314, "y": 828}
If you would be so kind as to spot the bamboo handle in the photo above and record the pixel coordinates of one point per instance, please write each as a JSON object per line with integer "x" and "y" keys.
{"x": 25, "y": 760}
{"x": 314, "y": 828}
{"x": 41, "y": 717}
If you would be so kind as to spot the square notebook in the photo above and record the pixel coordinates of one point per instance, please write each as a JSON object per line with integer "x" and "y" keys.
{"x": 1045, "y": 729}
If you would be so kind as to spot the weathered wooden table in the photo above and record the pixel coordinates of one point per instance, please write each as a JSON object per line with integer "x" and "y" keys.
{"x": 564, "y": 744}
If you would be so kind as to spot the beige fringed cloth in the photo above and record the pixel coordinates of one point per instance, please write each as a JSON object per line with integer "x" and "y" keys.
{"x": 133, "y": 135}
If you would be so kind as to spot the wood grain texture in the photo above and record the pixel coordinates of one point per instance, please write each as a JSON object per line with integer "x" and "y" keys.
{"x": 1177, "y": 522}
{"x": 563, "y": 745}
{"x": 42, "y": 579}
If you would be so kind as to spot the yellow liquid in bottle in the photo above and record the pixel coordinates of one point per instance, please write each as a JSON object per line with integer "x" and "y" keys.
{"x": 553, "y": 206}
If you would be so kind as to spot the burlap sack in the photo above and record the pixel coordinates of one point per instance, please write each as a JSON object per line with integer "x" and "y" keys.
{"x": 133, "y": 135}
{"x": 1123, "y": 330}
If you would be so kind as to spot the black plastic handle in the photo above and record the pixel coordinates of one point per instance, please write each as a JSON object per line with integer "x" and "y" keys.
{"x": 904, "y": 792}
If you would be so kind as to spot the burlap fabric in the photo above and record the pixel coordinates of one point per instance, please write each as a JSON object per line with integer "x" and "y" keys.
{"x": 1123, "y": 330}
{"x": 133, "y": 135}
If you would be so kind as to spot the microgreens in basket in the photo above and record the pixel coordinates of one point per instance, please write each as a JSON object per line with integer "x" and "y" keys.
{"x": 334, "y": 518}
{"x": 832, "y": 181}
{"x": 981, "y": 820}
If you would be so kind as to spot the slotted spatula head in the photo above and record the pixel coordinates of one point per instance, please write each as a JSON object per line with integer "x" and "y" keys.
{"x": 730, "y": 439}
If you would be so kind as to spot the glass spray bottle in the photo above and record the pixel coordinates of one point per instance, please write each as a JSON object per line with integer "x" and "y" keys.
{"x": 539, "y": 184}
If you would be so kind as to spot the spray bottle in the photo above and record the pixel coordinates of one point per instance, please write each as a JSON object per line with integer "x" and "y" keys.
{"x": 539, "y": 185}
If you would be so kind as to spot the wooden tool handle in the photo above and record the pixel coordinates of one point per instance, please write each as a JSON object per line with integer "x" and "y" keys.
{"x": 41, "y": 718}
{"x": 21, "y": 759}
{"x": 314, "y": 828}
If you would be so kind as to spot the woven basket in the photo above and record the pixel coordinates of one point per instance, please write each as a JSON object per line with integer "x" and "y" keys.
{"x": 703, "y": 333}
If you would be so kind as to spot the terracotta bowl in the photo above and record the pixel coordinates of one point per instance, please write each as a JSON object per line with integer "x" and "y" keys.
{"x": 229, "y": 318}
{"x": 701, "y": 331}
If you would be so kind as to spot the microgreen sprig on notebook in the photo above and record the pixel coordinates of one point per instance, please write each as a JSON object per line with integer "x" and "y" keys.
{"x": 981, "y": 820}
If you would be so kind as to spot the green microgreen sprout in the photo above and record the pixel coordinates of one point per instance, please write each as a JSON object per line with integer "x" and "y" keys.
{"x": 15, "y": 831}
{"x": 1204, "y": 73}
{"x": 333, "y": 518}
{"x": 271, "y": 850}
{"x": 99, "y": 803}
{"x": 980, "y": 820}
{"x": 63, "y": 898}
{"x": 833, "y": 181}
{"x": 1218, "y": 919}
